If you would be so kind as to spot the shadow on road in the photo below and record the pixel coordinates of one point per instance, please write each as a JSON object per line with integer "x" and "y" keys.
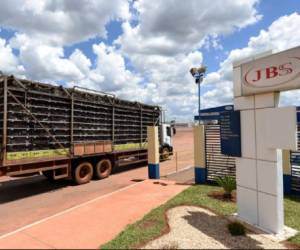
{"x": 15, "y": 189}
{"x": 19, "y": 188}
{"x": 122, "y": 169}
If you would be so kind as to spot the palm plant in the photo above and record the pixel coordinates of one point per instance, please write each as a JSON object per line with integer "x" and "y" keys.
{"x": 228, "y": 183}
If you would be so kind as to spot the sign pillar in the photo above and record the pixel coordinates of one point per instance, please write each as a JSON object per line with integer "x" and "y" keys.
{"x": 199, "y": 154}
{"x": 265, "y": 130}
{"x": 153, "y": 153}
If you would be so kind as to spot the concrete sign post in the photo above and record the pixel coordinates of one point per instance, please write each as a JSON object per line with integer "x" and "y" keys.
{"x": 265, "y": 131}
{"x": 153, "y": 152}
{"x": 199, "y": 157}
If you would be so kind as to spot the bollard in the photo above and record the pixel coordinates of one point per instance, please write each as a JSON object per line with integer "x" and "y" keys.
{"x": 199, "y": 154}
{"x": 153, "y": 153}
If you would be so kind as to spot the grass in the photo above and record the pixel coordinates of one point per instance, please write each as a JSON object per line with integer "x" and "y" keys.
{"x": 139, "y": 233}
{"x": 292, "y": 216}
{"x": 154, "y": 223}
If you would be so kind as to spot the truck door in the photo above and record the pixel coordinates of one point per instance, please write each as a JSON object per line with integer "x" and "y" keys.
{"x": 166, "y": 134}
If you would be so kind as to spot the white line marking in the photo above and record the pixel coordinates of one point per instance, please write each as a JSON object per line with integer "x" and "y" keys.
{"x": 66, "y": 211}
{"x": 181, "y": 170}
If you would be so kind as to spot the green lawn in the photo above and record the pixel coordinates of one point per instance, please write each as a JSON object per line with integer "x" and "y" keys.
{"x": 292, "y": 216}
{"x": 154, "y": 224}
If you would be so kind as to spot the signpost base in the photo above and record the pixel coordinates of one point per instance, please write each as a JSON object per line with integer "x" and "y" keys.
{"x": 153, "y": 171}
{"x": 200, "y": 175}
{"x": 287, "y": 184}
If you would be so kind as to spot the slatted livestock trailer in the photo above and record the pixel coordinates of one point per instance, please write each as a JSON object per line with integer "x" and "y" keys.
{"x": 71, "y": 132}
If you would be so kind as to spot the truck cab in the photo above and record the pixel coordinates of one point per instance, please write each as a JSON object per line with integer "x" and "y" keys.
{"x": 167, "y": 131}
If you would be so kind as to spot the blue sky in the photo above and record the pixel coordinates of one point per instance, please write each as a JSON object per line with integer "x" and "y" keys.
{"x": 143, "y": 50}
{"x": 271, "y": 11}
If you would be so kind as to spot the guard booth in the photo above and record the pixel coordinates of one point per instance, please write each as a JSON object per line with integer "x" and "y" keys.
{"x": 217, "y": 164}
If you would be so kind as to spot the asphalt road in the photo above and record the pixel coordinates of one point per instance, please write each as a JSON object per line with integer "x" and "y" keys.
{"x": 26, "y": 200}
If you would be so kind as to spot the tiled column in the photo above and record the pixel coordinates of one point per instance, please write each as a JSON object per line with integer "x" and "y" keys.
{"x": 287, "y": 171}
{"x": 153, "y": 153}
{"x": 199, "y": 154}
{"x": 264, "y": 129}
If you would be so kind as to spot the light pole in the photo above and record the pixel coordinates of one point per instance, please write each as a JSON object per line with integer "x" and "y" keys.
{"x": 198, "y": 74}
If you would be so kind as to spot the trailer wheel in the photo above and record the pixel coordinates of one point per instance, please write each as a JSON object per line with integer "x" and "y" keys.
{"x": 83, "y": 173}
{"x": 103, "y": 169}
{"x": 165, "y": 154}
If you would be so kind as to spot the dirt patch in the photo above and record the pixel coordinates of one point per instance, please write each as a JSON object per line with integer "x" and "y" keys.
{"x": 220, "y": 196}
{"x": 197, "y": 228}
{"x": 148, "y": 224}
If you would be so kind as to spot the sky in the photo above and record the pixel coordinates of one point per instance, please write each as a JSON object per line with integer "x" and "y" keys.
{"x": 142, "y": 50}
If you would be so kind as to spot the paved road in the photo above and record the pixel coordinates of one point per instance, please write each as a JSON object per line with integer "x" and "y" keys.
{"x": 26, "y": 200}
{"x": 102, "y": 218}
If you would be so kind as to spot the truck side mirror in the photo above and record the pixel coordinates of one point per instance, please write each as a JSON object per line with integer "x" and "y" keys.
{"x": 174, "y": 131}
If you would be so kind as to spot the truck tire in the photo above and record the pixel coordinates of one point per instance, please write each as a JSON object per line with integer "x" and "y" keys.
{"x": 83, "y": 173}
{"x": 103, "y": 169}
{"x": 165, "y": 154}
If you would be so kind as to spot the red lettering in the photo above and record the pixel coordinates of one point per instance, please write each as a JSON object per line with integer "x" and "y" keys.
{"x": 271, "y": 72}
{"x": 258, "y": 76}
{"x": 285, "y": 69}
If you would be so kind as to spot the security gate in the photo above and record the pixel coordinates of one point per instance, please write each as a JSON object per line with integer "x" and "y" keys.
{"x": 217, "y": 164}
{"x": 295, "y": 165}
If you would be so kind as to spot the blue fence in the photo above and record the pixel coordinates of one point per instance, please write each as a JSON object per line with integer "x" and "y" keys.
{"x": 295, "y": 156}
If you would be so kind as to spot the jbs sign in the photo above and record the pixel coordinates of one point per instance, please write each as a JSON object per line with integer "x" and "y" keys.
{"x": 276, "y": 72}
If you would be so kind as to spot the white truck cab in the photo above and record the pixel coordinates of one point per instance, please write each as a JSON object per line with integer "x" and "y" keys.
{"x": 167, "y": 131}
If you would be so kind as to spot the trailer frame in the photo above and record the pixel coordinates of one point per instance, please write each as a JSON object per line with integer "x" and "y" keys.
{"x": 92, "y": 151}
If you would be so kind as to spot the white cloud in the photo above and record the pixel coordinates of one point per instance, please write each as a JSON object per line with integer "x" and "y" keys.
{"x": 160, "y": 49}
{"x": 163, "y": 45}
{"x": 111, "y": 64}
{"x": 9, "y": 63}
{"x": 282, "y": 34}
{"x": 182, "y": 26}
{"x": 81, "y": 61}
{"x": 47, "y": 62}
{"x": 62, "y": 22}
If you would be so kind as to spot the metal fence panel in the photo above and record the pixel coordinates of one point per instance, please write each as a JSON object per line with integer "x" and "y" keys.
{"x": 295, "y": 163}
{"x": 217, "y": 164}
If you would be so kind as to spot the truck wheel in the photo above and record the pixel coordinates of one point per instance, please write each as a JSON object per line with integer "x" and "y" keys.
{"x": 83, "y": 173}
{"x": 165, "y": 154}
{"x": 103, "y": 169}
{"x": 49, "y": 175}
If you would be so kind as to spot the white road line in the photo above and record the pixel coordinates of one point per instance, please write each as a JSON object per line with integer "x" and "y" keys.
{"x": 174, "y": 172}
{"x": 66, "y": 211}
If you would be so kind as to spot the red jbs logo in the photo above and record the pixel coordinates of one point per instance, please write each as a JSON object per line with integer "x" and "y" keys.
{"x": 270, "y": 72}
{"x": 272, "y": 75}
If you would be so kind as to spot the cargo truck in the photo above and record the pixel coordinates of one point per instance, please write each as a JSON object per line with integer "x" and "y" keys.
{"x": 73, "y": 133}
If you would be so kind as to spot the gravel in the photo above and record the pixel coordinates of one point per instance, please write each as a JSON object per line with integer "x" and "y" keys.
{"x": 198, "y": 228}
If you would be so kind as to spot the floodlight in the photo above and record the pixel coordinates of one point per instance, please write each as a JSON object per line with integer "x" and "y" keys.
{"x": 198, "y": 71}
{"x": 198, "y": 74}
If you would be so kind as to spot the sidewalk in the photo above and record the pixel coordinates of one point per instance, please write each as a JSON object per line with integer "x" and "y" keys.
{"x": 93, "y": 223}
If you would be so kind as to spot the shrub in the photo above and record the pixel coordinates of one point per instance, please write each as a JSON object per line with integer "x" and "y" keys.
{"x": 228, "y": 183}
{"x": 236, "y": 229}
